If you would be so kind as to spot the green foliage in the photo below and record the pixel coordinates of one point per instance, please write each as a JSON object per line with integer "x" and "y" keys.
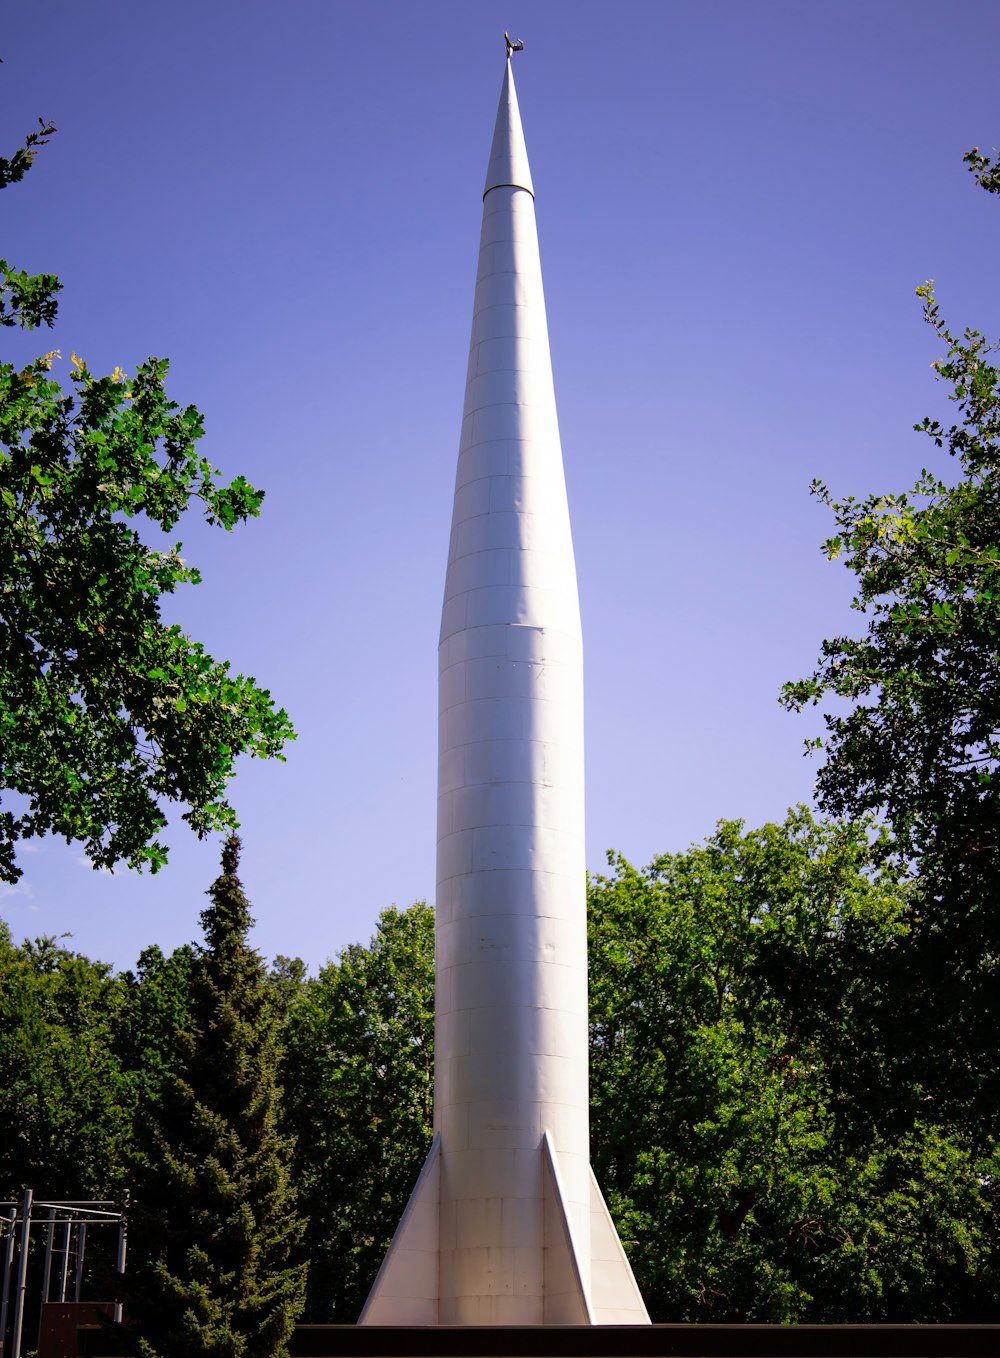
{"x": 106, "y": 713}
{"x": 914, "y": 734}
{"x": 987, "y": 171}
{"x": 14, "y": 169}
{"x": 26, "y": 300}
{"x": 763, "y": 1123}
{"x": 214, "y": 1220}
{"x": 156, "y": 1009}
{"x": 65, "y": 1099}
{"x": 285, "y": 980}
{"x": 358, "y": 1074}
{"x": 921, "y": 737}
{"x": 716, "y": 1129}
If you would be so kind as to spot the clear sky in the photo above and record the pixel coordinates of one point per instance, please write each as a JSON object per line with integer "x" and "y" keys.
{"x": 735, "y": 203}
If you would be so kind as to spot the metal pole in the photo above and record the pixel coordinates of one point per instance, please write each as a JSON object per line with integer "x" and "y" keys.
{"x": 8, "y": 1259}
{"x": 64, "y": 1270}
{"x": 116, "y": 1314}
{"x": 22, "y": 1274}
{"x": 81, "y": 1245}
{"x": 47, "y": 1270}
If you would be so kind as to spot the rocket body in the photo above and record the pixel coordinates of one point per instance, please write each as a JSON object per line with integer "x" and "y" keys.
{"x": 499, "y": 1227}
{"x": 511, "y": 1001}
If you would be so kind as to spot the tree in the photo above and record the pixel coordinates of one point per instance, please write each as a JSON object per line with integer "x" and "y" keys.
{"x": 358, "y": 1071}
{"x": 214, "y": 1220}
{"x": 157, "y": 1007}
{"x": 715, "y": 1128}
{"x": 65, "y": 1096}
{"x": 107, "y": 713}
{"x": 919, "y": 738}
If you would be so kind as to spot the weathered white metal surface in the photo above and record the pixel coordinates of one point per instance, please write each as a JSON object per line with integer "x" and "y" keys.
{"x": 614, "y": 1294}
{"x": 405, "y": 1292}
{"x": 513, "y": 1188}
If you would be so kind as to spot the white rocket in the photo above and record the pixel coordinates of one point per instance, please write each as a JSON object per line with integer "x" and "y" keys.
{"x": 506, "y": 1224}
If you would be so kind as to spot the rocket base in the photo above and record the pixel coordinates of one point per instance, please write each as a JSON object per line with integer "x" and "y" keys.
{"x": 407, "y": 1288}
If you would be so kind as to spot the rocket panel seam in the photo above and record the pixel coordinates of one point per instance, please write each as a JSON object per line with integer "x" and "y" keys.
{"x": 519, "y": 187}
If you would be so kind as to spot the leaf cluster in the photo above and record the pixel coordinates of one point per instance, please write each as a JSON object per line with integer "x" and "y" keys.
{"x": 107, "y": 714}
{"x": 985, "y": 168}
{"x": 26, "y": 300}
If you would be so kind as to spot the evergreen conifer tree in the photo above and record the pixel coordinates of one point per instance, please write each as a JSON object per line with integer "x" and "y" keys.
{"x": 214, "y": 1217}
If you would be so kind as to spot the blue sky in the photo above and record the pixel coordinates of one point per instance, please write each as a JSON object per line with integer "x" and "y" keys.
{"x": 735, "y": 204}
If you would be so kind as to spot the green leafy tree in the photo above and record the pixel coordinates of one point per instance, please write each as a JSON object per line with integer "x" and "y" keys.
{"x": 914, "y": 733}
{"x": 714, "y": 1119}
{"x": 106, "y": 712}
{"x": 286, "y": 981}
{"x": 358, "y": 1073}
{"x": 157, "y": 1007}
{"x": 214, "y": 1220}
{"x": 65, "y": 1097}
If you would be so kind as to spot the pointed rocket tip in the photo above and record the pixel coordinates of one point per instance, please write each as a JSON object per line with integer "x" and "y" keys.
{"x": 508, "y": 157}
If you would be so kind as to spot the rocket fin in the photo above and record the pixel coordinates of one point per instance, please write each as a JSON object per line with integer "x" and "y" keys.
{"x": 566, "y": 1292}
{"x": 615, "y": 1295}
{"x": 405, "y": 1292}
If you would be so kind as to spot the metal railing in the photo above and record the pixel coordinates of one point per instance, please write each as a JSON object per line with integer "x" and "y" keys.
{"x": 65, "y": 1223}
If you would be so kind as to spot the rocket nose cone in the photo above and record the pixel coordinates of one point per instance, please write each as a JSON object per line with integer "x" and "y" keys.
{"x": 508, "y": 157}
